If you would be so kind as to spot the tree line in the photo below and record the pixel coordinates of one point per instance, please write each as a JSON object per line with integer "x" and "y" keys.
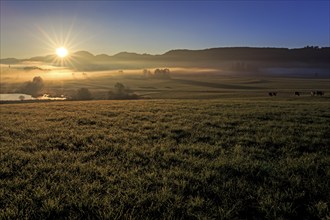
{"x": 158, "y": 73}
{"x": 119, "y": 92}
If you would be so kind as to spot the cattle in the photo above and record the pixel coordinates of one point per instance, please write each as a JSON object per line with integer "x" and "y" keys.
{"x": 272, "y": 93}
{"x": 320, "y": 93}
{"x": 317, "y": 93}
{"x": 297, "y": 93}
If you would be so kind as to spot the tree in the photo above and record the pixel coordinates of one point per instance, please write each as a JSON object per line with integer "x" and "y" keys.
{"x": 162, "y": 73}
{"x": 120, "y": 88}
{"x": 33, "y": 88}
{"x": 21, "y": 97}
{"x": 147, "y": 73}
{"x": 121, "y": 92}
{"x": 84, "y": 94}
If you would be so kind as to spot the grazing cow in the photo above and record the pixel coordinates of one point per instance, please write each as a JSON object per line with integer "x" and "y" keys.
{"x": 320, "y": 93}
{"x": 297, "y": 93}
{"x": 270, "y": 94}
{"x": 317, "y": 93}
{"x": 274, "y": 93}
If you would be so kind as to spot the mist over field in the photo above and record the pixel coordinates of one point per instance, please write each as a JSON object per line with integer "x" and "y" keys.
{"x": 214, "y": 71}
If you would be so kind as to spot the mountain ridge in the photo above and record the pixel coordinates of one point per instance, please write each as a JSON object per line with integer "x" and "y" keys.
{"x": 180, "y": 51}
{"x": 236, "y": 58}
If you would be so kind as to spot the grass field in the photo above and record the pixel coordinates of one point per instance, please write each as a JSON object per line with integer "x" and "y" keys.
{"x": 225, "y": 158}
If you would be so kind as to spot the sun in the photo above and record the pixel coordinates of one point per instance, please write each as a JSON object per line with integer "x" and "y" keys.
{"x": 62, "y": 52}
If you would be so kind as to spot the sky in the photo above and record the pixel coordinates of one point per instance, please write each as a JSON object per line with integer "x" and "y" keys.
{"x": 37, "y": 28}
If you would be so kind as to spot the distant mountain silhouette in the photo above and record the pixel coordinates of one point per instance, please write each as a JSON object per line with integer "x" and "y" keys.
{"x": 126, "y": 55}
{"x": 129, "y": 56}
{"x": 102, "y": 57}
{"x": 230, "y": 58}
{"x": 306, "y": 54}
{"x": 84, "y": 55}
{"x": 10, "y": 61}
{"x": 48, "y": 58}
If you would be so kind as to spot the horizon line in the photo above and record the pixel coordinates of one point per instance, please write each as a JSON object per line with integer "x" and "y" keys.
{"x": 178, "y": 49}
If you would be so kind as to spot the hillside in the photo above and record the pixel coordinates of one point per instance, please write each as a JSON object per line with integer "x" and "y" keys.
{"x": 246, "y": 59}
{"x": 308, "y": 54}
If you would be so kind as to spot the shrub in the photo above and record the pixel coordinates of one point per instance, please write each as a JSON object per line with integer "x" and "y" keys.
{"x": 33, "y": 87}
{"x": 121, "y": 92}
{"x": 84, "y": 94}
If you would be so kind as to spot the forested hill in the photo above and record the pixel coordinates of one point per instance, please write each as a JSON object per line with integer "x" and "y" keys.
{"x": 253, "y": 58}
{"x": 307, "y": 54}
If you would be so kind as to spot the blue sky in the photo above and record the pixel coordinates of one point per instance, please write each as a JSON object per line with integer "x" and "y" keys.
{"x": 32, "y": 28}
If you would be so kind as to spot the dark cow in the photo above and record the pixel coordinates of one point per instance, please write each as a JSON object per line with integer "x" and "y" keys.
{"x": 297, "y": 93}
{"x": 272, "y": 93}
{"x": 317, "y": 93}
{"x": 320, "y": 93}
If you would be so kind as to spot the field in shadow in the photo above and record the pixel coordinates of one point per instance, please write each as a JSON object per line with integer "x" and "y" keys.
{"x": 231, "y": 158}
{"x": 214, "y": 85}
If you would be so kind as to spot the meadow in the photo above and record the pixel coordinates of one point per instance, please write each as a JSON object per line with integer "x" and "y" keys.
{"x": 184, "y": 83}
{"x": 233, "y": 157}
